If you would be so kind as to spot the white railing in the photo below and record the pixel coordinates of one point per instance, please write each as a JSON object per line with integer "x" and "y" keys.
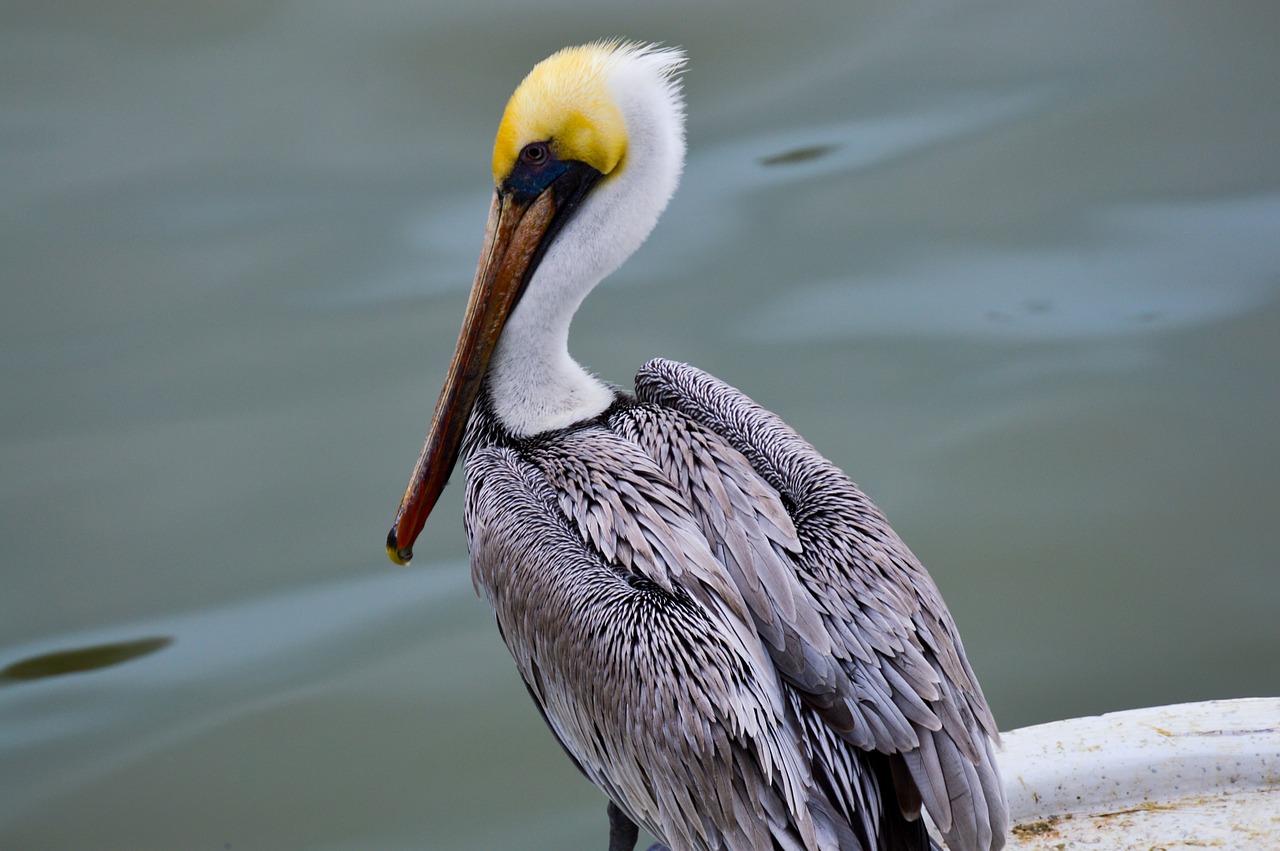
{"x": 1170, "y": 777}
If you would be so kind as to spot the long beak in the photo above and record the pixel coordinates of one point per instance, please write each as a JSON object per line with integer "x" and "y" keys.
{"x": 517, "y": 227}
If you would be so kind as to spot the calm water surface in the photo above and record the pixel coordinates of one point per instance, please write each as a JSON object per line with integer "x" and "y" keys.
{"x": 1015, "y": 267}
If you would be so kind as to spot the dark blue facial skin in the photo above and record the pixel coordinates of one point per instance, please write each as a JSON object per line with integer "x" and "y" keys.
{"x": 536, "y": 168}
{"x": 536, "y": 171}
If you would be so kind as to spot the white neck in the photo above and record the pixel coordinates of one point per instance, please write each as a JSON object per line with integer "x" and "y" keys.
{"x": 535, "y": 385}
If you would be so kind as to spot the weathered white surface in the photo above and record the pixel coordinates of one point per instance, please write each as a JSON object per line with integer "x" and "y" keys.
{"x": 1197, "y": 774}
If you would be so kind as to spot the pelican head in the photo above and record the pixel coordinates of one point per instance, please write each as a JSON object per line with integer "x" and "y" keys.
{"x": 588, "y": 153}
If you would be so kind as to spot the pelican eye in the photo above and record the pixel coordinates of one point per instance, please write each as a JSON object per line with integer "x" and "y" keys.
{"x": 536, "y": 168}
{"x": 535, "y": 154}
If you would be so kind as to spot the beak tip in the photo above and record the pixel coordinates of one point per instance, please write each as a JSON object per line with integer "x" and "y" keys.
{"x": 397, "y": 555}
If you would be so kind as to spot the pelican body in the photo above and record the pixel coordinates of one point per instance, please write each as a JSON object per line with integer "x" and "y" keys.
{"x": 720, "y": 628}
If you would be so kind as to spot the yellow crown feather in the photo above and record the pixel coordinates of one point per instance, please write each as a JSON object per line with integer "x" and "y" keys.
{"x": 566, "y": 100}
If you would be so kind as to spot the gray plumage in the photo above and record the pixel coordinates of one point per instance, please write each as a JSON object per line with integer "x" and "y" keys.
{"x": 723, "y": 631}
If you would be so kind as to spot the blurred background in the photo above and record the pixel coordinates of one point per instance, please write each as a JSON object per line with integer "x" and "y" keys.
{"x": 1015, "y": 267}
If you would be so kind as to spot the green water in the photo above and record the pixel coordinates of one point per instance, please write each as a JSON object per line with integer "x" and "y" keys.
{"x": 1016, "y": 268}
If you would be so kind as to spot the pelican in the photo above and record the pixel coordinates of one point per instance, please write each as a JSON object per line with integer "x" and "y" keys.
{"x": 719, "y": 627}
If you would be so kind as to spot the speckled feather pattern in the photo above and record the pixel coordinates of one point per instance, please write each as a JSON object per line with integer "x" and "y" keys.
{"x": 724, "y": 632}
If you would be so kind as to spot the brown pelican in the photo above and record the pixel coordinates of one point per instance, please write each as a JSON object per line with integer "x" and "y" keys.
{"x": 719, "y": 627}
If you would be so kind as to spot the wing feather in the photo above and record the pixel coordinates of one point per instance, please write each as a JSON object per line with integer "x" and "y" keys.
{"x": 901, "y": 673}
{"x": 637, "y": 646}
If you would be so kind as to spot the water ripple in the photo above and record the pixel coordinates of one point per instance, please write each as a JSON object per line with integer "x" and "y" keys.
{"x": 218, "y": 664}
{"x": 1151, "y": 268}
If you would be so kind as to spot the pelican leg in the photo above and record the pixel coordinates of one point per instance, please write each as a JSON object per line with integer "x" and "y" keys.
{"x": 623, "y": 832}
